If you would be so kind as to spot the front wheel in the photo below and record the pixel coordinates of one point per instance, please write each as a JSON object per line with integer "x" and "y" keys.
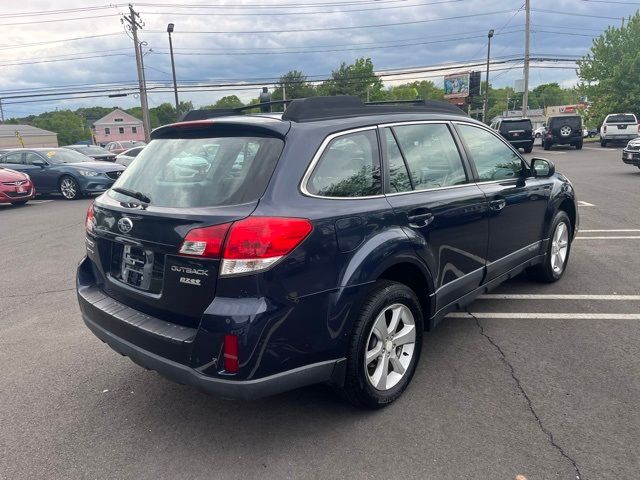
{"x": 69, "y": 188}
{"x": 557, "y": 257}
{"x": 385, "y": 346}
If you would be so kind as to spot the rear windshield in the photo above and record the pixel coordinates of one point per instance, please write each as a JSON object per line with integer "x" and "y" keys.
{"x": 572, "y": 121}
{"x": 202, "y": 172}
{"x": 621, "y": 119}
{"x": 515, "y": 125}
{"x": 92, "y": 150}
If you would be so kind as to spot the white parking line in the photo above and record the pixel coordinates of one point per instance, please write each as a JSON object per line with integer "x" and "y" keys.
{"x": 551, "y": 296}
{"x": 608, "y": 238}
{"x": 618, "y": 231}
{"x": 35, "y": 202}
{"x": 582, "y": 203}
{"x": 546, "y": 316}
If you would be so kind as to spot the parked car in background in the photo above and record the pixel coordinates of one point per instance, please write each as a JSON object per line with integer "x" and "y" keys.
{"x": 15, "y": 187}
{"x": 125, "y": 158}
{"x": 539, "y": 132}
{"x": 619, "y": 127}
{"x": 517, "y": 131}
{"x": 121, "y": 146}
{"x": 60, "y": 170}
{"x": 94, "y": 151}
{"x": 316, "y": 245}
{"x": 631, "y": 153}
{"x": 563, "y": 130}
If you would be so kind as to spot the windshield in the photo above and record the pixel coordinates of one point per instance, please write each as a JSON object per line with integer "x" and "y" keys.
{"x": 92, "y": 150}
{"x": 202, "y": 172}
{"x": 516, "y": 125}
{"x": 621, "y": 119}
{"x": 64, "y": 155}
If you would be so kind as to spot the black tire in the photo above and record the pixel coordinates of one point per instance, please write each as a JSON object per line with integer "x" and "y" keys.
{"x": 544, "y": 272}
{"x": 69, "y": 188}
{"x": 358, "y": 388}
{"x": 529, "y": 149}
{"x": 579, "y": 146}
{"x": 603, "y": 143}
{"x": 21, "y": 202}
{"x": 546, "y": 145}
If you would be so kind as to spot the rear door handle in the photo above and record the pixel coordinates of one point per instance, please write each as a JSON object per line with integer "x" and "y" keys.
{"x": 421, "y": 219}
{"x": 497, "y": 205}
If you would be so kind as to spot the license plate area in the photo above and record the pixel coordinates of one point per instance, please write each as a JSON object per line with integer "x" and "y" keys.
{"x": 137, "y": 267}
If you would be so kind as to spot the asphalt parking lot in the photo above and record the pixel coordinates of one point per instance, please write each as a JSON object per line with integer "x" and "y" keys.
{"x": 538, "y": 380}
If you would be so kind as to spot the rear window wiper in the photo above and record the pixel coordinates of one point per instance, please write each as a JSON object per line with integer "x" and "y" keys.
{"x": 133, "y": 194}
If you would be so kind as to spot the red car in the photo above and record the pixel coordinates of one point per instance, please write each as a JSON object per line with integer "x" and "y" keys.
{"x": 15, "y": 187}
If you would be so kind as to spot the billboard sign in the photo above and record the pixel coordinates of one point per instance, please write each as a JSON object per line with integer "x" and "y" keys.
{"x": 456, "y": 85}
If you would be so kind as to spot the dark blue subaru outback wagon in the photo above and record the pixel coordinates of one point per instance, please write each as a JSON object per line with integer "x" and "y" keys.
{"x": 246, "y": 255}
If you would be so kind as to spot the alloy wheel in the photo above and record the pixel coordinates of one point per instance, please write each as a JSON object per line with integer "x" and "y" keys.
{"x": 390, "y": 346}
{"x": 559, "y": 247}
{"x": 68, "y": 188}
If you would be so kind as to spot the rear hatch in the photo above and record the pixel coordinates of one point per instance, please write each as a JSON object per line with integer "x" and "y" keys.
{"x": 193, "y": 177}
{"x": 516, "y": 129}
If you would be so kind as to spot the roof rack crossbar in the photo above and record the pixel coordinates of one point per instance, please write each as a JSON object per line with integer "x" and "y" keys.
{"x": 204, "y": 113}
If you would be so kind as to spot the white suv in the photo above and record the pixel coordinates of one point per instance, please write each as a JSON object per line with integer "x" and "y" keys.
{"x": 618, "y": 127}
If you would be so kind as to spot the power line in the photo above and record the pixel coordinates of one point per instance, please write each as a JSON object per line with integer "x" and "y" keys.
{"x": 325, "y": 29}
{"x": 573, "y": 14}
{"x": 69, "y": 19}
{"x": 62, "y": 40}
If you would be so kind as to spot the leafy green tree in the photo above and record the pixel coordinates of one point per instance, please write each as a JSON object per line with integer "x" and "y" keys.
{"x": 401, "y": 92}
{"x": 69, "y": 126}
{"x": 550, "y": 94}
{"x": 609, "y": 72}
{"x": 427, "y": 90}
{"x": 230, "y": 101}
{"x": 356, "y": 79}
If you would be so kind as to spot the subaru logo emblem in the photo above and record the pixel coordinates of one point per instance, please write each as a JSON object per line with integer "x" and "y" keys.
{"x": 125, "y": 225}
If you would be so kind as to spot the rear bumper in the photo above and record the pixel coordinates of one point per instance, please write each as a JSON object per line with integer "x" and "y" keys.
{"x": 564, "y": 140}
{"x": 241, "y": 389}
{"x": 619, "y": 138}
{"x": 524, "y": 143}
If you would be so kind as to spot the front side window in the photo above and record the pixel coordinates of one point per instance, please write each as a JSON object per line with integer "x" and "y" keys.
{"x": 31, "y": 157}
{"x": 493, "y": 159}
{"x": 348, "y": 167}
{"x": 431, "y": 155}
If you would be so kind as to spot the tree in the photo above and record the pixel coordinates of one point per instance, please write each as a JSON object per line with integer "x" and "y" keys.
{"x": 427, "y": 90}
{"x": 609, "y": 72}
{"x": 230, "y": 101}
{"x": 69, "y": 126}
{"x": 356, "y": 79}
{"x": 550, "y": 94}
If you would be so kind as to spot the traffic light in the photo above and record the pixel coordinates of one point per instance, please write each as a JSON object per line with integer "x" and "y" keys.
{"x": 474, "y": 84}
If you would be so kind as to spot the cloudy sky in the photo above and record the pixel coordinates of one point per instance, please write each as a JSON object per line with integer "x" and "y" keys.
{"x": 81, "y": 45}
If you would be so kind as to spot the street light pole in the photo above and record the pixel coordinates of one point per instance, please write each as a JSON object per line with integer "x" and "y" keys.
{"x": 173, "y": 69}
{"x": 485, "y": 107}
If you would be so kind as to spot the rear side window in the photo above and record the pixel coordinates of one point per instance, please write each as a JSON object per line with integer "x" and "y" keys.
{"x": 15, "y": 158}
{"x": 621, "y": 119}
{"x": 202, "y": 172}
{"x": 431, "y": 155}
{"x": 349, "y": 167}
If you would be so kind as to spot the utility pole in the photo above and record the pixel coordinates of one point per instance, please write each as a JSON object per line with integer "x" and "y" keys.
{"x": 170, "y": 28}
{"x": 1, "y": 112}
{"x": 485, "y": 105}
{"x": 133, "y": 25}
{"x": 527, "y": 33}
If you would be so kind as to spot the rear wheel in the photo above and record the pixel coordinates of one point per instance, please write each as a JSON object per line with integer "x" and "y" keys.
{"x": 546, "y": 145}
{"x": 385, "y": 346}
{"x": 557, "y": 257}
{"x": 579, "y": 145}
{"x": 69, "y": 188}
{"x": 603, "y": 143}
{"x": 529, "y": 149}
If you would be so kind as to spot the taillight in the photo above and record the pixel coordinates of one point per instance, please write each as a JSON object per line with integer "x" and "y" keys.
{"x": 205, "y": 242}
{"x": 230, "y": 353}
{"x": 256, "y": 243}
{"x": 604, "y": 129}
{"x": 252, "y": 244}
{"x": 90, "y": 221}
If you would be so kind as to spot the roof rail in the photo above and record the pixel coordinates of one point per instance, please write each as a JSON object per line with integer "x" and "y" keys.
{"x": 319, "y": 108}
{"x": 204, "y": 113}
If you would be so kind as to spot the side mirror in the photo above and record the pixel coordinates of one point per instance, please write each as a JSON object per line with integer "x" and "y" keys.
{"x": 542, "y": 168}
{"x": 39, "y": 163}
